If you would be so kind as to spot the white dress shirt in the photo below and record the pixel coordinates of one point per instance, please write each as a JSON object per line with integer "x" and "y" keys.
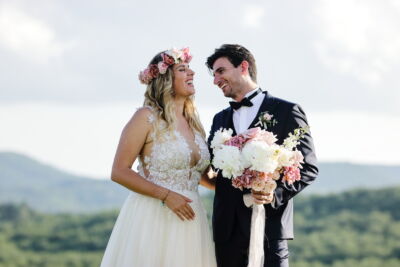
{"x": 243, "y": 116}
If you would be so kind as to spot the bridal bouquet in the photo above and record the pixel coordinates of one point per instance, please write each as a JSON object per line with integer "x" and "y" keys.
{"x": 254, "y": 160}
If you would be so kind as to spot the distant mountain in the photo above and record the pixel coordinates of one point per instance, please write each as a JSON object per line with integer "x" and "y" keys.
{"x": 338, "y": 177}
{"x": 45, "y": 188}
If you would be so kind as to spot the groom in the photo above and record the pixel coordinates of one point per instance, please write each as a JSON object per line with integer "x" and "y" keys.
{"x": 235, "y": 73}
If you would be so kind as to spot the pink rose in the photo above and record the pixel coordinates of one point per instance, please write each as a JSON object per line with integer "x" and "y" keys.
{"x": 153, "y": 70}
{"x": 145, "y": 77}
{"x": 162, "y": 67}
{"x": 236, "y": 141}
{"x": 167, "y": 59}
{"x": 186, "y": 55}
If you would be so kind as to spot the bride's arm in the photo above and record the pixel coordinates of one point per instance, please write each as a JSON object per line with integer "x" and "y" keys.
{"x": 208, "y": 178}
{"x": 131, "y": 143}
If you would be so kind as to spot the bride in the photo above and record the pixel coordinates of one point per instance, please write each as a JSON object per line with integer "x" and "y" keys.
{"x": 162, "y": 222}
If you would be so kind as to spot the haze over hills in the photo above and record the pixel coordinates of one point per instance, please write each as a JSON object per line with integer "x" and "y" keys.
{"x": 45, "y": 188}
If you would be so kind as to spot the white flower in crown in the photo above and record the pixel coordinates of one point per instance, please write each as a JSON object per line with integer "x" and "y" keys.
{"x": 227, "y": 159}
{"x": 175, "y": 53}
{"x": 220, "y": 137}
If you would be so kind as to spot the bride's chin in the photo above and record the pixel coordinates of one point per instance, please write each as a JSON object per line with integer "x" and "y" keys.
{"x": 191, "y": 91}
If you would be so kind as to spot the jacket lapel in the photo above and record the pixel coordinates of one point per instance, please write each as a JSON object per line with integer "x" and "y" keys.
{"x": 228, "y": 123}
{"x": 268, "y": 105}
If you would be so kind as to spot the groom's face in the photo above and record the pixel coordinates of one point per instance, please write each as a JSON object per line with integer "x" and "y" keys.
{"x": 227, "y": 77}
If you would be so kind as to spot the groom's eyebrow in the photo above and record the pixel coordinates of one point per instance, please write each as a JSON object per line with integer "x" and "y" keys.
{"x": 219, "y": 70}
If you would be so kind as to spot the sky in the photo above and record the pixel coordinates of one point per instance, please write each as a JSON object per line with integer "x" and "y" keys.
{"x": 68, "y": 70}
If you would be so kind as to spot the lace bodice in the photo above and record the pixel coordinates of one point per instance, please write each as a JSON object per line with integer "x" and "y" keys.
{"x": 168, "y": 164}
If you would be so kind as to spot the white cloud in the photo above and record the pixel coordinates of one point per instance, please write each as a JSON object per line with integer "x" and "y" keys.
{"x": 29, "y": 37}
{"x": 252, "y": 16}
{"x": 359, "y": 38}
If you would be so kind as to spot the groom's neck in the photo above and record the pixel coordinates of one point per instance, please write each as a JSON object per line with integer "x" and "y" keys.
{"x": 247, "y": 86}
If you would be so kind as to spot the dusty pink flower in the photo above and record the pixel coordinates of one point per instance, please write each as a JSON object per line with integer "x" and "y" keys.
{"x": 236, "y": 141}
{"x": 145, "y": 76}
{"x": 167, "y": 59}
{"x": 153, "y": 70}
{"x": 297, "y": 158}
{"x": 275, "y": 175}
{"x": 251, "y": 133}
{"x": 186, "y": 55}
{"x": 267, "y": 137}
{"x": 162, "y": 67}
{"x": 291, "y": 174}
{"x": 267, "y": 116}
{"x": 246, "y": 179}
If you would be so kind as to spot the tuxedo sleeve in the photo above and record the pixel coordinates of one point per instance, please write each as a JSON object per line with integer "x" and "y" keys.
{"x": 283, "y": 192}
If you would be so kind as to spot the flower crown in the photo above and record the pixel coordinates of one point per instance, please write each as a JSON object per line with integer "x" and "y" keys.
{"x": 170, "y": 57}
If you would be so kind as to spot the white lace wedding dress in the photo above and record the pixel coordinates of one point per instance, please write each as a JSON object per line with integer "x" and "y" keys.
{"x": 148, "y": 234}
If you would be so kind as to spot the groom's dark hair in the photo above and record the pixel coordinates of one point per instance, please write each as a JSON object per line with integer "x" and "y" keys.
{"x": 235, "y": 54}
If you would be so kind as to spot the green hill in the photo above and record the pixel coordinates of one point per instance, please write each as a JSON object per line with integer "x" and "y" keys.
{"x": 355, "y": 228}
{"x": 47, "y": 189}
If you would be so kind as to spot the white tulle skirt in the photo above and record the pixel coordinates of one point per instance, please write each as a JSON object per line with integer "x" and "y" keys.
{"x": 148, "y": 234}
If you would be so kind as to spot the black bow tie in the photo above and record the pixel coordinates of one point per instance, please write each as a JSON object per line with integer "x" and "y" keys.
{"x": 245, "y": 101}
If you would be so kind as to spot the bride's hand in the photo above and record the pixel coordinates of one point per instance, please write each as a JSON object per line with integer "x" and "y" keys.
{"x": 179, "y": 204}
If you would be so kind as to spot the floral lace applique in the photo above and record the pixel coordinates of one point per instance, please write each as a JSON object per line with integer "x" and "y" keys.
{"x": 168, "y": 164}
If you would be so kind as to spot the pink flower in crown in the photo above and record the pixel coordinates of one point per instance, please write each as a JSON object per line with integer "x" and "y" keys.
{"x": 145, "y": 76}
{"x": 186, "y": 55}
{"x": 176, "y": 54}
{"x": 167, "y": 59}
{"x": 162, "y": 67}
{"x": 153, "y": 70}
{"x": 291, "y": 174}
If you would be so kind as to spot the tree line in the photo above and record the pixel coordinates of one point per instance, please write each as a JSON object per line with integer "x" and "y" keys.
{"x": 355, "y": 228}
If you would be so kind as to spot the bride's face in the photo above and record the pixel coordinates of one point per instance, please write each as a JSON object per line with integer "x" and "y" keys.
{"x": 183, "y": 80}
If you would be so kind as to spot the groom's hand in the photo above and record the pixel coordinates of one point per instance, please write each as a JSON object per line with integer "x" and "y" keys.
{"x": 262, "y": 197}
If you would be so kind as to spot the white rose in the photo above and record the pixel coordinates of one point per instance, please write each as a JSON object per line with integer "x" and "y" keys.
{"x": 227, "y": 159}
{"x": 259, "y": 156}
{"x": 220, "y": 137}
{"x": 285, "y": 157}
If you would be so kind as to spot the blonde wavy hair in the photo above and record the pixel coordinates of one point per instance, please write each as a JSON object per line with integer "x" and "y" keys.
{"x": 160, "y": 95}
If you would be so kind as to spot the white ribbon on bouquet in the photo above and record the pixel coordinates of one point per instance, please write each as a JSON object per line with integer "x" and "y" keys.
{"x": 256, "y": 248}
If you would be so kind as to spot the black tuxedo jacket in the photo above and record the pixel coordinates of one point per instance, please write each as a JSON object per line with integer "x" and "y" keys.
{"x": 229, "y": 209}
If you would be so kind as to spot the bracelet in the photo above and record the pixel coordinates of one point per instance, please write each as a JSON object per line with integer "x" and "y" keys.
{"x": 165, "y": 198}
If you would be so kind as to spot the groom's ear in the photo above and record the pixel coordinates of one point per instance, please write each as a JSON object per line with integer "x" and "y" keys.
{"x": 244, "y": 67}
